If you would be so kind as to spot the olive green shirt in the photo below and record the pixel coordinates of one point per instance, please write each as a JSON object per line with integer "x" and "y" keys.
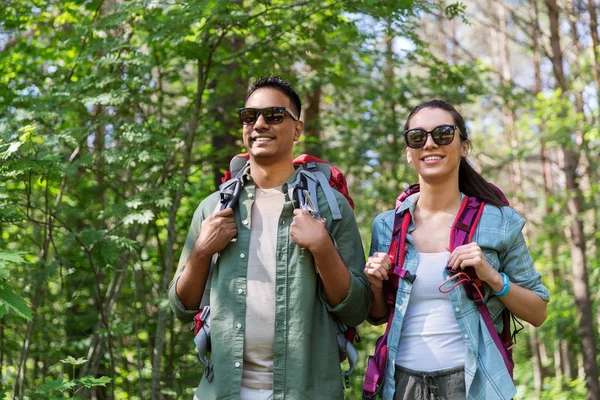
{"x": 306, "y": 360}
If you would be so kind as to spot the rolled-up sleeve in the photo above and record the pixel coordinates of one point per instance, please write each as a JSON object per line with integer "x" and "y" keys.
{"x": 356, "y": 305}
{"x": 178, "y": 307}
{"x": 516, "y": 260}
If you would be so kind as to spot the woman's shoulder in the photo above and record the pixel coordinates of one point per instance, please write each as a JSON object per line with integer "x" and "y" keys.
{"x": 386, "y": 218}
{"x": 501, "y": 217}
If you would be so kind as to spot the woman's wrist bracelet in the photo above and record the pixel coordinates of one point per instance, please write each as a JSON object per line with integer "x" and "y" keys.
{"x": 505, "y": 287}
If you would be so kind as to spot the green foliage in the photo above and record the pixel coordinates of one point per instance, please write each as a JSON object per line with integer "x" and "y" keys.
{"x": 117, "y": 120}
{"x": 9, "y": 301}
{"x": 53, "y": 389}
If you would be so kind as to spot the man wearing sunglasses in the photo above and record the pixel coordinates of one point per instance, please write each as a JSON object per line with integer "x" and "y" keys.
{"x": 278, "y": 284}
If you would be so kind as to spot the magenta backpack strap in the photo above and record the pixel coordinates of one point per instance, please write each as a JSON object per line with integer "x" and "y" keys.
{"x": 376, "y": 363}
{"x": 487, "y": 319}
{"x": 462, "y": 233}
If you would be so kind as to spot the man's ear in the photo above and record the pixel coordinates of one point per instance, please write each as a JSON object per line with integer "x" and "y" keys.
{"x": 298, "y": 130}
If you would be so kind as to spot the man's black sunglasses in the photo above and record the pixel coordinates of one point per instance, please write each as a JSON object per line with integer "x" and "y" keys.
{"x": 272, "y": 115}
{"x": 442, "y": 135}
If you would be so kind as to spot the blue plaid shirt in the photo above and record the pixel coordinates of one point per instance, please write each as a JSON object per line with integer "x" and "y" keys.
{"x": 499, "y": 236}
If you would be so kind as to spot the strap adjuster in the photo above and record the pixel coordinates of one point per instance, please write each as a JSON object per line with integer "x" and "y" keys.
{"x": 407, "y": 276}
{"x": 205, "y": 313}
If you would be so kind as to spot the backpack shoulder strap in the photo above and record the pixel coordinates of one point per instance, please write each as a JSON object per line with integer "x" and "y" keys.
{"x": 323, "y": 178}
{"x": 309, "y": 178}
{"x": 238, "y": 163}
{"x": 229, "y": 193}
{"x": 462, "y": 233}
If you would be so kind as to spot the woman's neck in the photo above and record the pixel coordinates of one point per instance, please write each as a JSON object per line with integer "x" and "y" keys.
{"x": 439, "y": 197}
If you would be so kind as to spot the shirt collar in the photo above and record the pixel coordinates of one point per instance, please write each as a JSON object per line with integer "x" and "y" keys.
{"x": 247, "y": 178}
{"x": 411, "y": 201}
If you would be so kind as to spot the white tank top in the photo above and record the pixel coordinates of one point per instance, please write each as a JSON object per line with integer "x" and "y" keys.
{"x": 430, "y": 338}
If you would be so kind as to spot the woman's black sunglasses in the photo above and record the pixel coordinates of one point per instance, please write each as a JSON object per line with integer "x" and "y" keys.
{"x": 442, "y": 135}
{"x": 272, "y": 115}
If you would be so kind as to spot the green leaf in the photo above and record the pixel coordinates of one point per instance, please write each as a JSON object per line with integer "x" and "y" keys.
{"x": 71, "y": 360}
{"x": 9, "y": 301}
{"x": 143, "y": 217}
{"x": 11, "y": 256}
{"x": 90, "y": 381}
{"x": 52, "y": 386}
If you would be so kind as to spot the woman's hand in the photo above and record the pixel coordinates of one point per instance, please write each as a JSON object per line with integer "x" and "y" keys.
{"x": 470, "y": 255}
{"x": 377, "y": 269}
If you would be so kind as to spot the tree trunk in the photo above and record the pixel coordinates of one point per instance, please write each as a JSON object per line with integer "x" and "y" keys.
{"x": 224, "y": 142}
{"x": 576, "y": 237}
{"x": 203, "y": 68}
{"x": 538, "y": 370}
{"x": 591, "y": 6}
{"x": 312, "y": 123}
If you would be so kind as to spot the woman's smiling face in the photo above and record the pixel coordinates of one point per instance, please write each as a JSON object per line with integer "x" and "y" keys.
{"x": 432, "y": 161}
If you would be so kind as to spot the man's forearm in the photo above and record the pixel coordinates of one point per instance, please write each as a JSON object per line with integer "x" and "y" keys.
{"x": 334, "y": 273}
{"x": 380, "y": 308}
{"x": 191, "y": 282}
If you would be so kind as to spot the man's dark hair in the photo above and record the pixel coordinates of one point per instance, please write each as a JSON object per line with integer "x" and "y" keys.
{"x": 282, "y": 85}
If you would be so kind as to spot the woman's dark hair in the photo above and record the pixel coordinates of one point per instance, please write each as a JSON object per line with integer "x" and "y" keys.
{"x": 469, "y": 181}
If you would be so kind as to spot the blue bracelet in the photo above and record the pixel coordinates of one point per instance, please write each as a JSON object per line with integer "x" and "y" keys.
{"x": 506, "y": 286}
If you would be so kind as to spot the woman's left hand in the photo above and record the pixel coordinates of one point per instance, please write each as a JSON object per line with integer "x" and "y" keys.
{"x": 470, "y": 255}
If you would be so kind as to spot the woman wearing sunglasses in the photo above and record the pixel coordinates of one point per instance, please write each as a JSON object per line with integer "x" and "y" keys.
{"x": 438, "y": 346}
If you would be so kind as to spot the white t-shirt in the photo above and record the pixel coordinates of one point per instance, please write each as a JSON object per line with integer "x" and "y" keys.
{"x": 430, "y": 338}
{"x": 259, "y": 331}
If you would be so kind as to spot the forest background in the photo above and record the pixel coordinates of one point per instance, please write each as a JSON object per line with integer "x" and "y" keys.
{"x": 118, "y": 117}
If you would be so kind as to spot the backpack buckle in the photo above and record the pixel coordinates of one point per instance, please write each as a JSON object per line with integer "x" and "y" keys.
{"x": 205, "y": 313}
{"x": 307, "y": 205}
{"x": 407, "y": 276}
{"x": 230, "y": 193}
{"x": 209, "y": 372}
{"x": 347, "y": 379}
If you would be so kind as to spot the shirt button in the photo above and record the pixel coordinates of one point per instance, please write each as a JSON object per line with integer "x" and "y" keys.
{"x": 237, "y": 364}
{"x": 242, "y": 255}
{"x": 457, "y": 309}
{"x": 466, "y": 336}
{"x": 238, "y": 325}
{"x": 283, "y": 222}
{"x": 250, "y": 195}
{"x": 240, "y": 291}
{"x": 245, "y": 222}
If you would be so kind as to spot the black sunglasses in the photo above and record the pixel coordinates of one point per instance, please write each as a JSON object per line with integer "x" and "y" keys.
{"x": 272, "y": 115}
{"x": 442, "y": 135}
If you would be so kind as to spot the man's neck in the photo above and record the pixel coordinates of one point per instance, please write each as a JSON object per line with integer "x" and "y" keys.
{"x": 439, "y": 197}
{"x": 269, "y": 175}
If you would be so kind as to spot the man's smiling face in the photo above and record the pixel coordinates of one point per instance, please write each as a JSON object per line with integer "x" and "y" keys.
{"x": 271, "y": 141}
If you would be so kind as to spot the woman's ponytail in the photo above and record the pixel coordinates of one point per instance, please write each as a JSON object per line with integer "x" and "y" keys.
{"x": 473, "y": 184}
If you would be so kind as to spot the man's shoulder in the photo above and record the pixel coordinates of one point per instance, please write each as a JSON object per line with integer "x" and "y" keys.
{"x": 208, "y": 205}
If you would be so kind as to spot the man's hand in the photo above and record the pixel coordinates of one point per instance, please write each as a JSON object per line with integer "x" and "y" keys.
{"x": 216, "y": 233}
{"x": 308, "y": 232}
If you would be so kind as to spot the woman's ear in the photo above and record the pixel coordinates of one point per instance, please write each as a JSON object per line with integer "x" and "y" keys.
{"x": 408, "y": 156}
{"x": 465, "y": 146}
